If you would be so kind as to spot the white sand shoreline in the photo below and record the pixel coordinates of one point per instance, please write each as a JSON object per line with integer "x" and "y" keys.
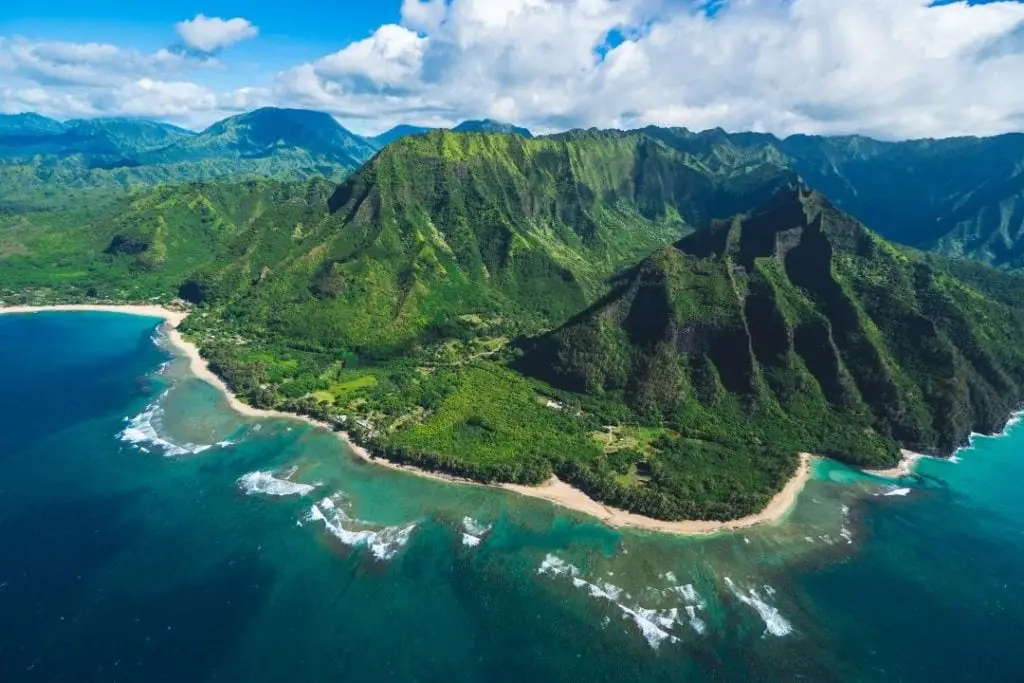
{"x": 908, "y": 463}
{"x": 554, "y": 490}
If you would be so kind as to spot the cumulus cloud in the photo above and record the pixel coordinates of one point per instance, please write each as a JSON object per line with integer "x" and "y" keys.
{"x": 888, "y": 68}
{"x": 891, "y": 68}
{"x": 392, "y": 58}
{"x": 96, "y": 64}
{"x": 65, "y": 79}
{"x": 210, "y": 34}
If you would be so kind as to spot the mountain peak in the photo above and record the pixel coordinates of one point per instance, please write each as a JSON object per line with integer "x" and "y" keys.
{"x": 491, "y": 126}
{"x": 29, "y": 123}
{"x": 265, "y": 132}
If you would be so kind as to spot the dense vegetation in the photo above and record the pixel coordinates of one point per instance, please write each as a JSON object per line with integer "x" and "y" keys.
{"x": 961, "y": 197}
{"x": 799, "y": 329}
{"x": 413, "y": 305}
{"x": 39, "y": 156}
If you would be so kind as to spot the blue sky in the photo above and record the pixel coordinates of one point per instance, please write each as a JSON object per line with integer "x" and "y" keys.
{"x": 888, "y": 68}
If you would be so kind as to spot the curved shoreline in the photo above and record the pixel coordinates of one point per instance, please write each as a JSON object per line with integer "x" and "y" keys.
{"x": 908, "y": 463}
{"x": 554, "y": 490}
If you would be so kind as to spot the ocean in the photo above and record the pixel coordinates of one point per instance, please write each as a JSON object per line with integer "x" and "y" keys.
{"x": 149, "y": 533}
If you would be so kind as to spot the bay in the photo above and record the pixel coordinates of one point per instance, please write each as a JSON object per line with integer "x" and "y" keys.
{"x": 149, "y": 533}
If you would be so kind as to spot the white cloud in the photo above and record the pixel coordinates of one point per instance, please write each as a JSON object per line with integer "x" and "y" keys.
{"x": 65, "y": 80}
{"x": 392, "y": 58}
{"x": 91, "y": 64}
{"x": 423, "y": 15}
{"x": 891, "y": 68}
{"x": 210, "y": 34}
{"x": 888, "y": 68}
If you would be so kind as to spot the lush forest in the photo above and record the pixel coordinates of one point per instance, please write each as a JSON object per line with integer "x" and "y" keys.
{"x": 664, "y": 319}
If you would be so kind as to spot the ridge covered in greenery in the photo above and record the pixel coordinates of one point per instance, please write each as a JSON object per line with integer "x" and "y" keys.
{"x": 40, "y": 157}
{"x": 445, "y": 225}
{"x": 799, "y": 327}
{"x": 961, "y": 197}
{"x": 507, "y": 308}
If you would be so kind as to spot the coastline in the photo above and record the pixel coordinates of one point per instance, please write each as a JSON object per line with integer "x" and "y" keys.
{"x": 554, "y": 490}
{"x": 908, "y": 463}
{"x": 561, "y": 493}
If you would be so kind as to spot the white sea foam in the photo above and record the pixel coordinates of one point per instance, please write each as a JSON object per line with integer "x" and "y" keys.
{"x": 775, "y": 623}
{"x": 143, "y": 429}
{"x": 474, "y": 527}
{"x": 898, "y": 492}
{"x": 654, "y": 625}
{"x": 847, "y": 535}
{"x": 383, "y": 543}
{"x": 670, "y": 577}
{"x": 556, "y": 566}
{"x": 696, "y": 622}
{"x": 690, "y": 595}
{"x": 470, "y": 541}
{"x": 266, "y": 483}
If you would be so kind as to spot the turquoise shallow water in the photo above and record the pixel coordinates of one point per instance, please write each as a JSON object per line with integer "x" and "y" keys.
{"x": 138, "y": 543}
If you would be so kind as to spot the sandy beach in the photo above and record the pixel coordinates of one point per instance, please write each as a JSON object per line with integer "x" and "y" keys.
{"x": 904, "y": 469}
{"x": 561, "y": 493}
{"x": 554, "y": 490}
{"x": 174, "y": 318}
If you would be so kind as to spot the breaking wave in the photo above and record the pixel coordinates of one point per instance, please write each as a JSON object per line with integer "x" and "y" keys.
{"x": 266, "y": 483}
{"x": 142, "y": 430}
{"x": 898, "y": 492}
{"x": 655, "y": 625}
{"x": 775, "y": 623}
{"x": 383, "y": 543}
{"x": 473, "y": 532}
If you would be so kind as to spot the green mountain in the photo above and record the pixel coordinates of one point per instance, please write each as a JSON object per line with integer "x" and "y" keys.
{"x": 105, "y": 141}
{"x": 265, "y": 133}
{"x": 27, "y": 124}
{"x": 397, "y": 133}
{"x": 146, "y": 243}
{"x": 446, "y": 225}
{"x": 409, "y": 304}
{"x": 961, "y": 197}
{"x": 802, "y": 330}
{"x": 288, "y": 144}
{"x": 120, "y": 136}
{"x": 491, "y": 126}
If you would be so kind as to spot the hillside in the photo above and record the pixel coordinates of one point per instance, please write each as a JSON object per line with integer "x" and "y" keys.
{"x": 805, "y": 328}
{"x": 491, "y": 126}
{"x": 445, "y": 225}
{"x": 962, "y": 197}
{"x": 108, "y": 141}
{"x": 268, "y": 132}
{"x": 397, "y": 133}
{"x": 131, "y": 246}
{"x": 684, "y": 371}
{"x": 40, "y": 156}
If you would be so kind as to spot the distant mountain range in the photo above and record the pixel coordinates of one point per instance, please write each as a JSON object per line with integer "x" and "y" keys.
{"x": 39, "y": 153}
{"x": 491, "y": 126}
{"x": 959, "y": 197}
{"x": 663, "y": 318}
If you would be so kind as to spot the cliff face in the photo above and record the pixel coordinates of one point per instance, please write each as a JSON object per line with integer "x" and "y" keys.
{"x": 800, "y": 311}
{"x": 442, "y": 225}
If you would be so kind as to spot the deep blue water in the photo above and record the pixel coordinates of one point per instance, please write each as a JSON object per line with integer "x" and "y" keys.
{"x": 132, "y": 548}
